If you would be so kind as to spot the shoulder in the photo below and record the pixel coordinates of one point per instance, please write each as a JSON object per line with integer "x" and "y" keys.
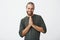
{"x": 23, "y": 18}
{"x": 39, "y": 16}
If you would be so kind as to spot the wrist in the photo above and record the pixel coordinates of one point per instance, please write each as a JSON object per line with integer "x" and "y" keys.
{"x": 29, "y": 25}
{"x": 33, "y": 25}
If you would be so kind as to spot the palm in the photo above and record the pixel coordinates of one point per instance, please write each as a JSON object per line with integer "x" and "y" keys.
{"x": 30, "y": 21}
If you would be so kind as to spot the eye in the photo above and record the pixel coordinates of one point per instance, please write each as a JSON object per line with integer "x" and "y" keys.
{"x": 28, "y": 8}
{"x": 32, "y": 8}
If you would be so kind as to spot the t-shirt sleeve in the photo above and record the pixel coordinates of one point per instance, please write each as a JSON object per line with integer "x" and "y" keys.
{"x": 21, "y": 27}
{"x": 42, "y": 24}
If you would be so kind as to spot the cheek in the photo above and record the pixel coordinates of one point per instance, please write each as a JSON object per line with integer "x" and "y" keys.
{"x": 27, "y": 10}
{"x": 32, "y": 10}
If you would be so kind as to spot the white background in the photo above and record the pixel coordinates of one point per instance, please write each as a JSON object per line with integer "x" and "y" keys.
{"x": 12, "y": 11}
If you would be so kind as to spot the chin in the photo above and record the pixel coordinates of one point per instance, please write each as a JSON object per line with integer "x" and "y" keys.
{"x": 29, "y": 13}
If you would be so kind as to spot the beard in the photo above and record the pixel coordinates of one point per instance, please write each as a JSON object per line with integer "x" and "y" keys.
{"x": 29, "y": 13}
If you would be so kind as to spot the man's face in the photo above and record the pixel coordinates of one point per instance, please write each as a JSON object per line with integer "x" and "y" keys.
{"x": 29, "y": 9}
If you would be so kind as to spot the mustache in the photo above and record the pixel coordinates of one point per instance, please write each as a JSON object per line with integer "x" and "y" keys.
{"x": 29, "y": 11}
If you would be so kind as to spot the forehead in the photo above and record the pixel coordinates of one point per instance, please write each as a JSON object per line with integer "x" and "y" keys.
{"x": 30, "y": 5}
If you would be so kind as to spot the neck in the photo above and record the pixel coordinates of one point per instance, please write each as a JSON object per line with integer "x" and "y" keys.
{"x": 31, "y": 15}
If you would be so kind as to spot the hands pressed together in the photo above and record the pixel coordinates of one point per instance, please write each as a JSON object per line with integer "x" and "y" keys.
{"x": 30, "y": 21}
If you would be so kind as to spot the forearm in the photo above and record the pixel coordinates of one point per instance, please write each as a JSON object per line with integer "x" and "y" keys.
{"x": 24, "y": 32}
{"x": 40, "y": 29}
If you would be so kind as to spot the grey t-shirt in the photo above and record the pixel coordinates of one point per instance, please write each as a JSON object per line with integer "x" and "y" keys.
{"x": 32, "y": 33}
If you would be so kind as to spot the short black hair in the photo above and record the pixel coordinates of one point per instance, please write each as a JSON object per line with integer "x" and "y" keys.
{"x": 30, "y": 3}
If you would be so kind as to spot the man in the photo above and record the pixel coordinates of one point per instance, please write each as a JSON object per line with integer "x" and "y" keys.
{"x": 32, "y": 25}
